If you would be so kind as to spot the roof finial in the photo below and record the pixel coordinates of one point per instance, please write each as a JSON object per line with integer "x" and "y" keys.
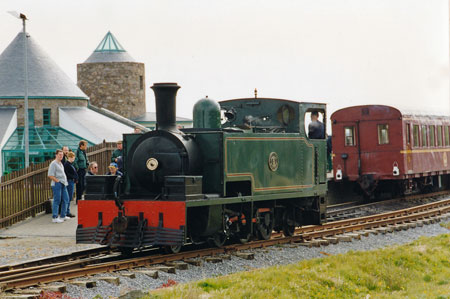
{"x": 256, "y": 93}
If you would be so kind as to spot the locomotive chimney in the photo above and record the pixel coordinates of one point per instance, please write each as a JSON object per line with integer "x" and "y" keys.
{"x": 165, "y": 98}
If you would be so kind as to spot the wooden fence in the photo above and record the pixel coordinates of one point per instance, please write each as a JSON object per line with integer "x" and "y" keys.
{"x": 26, "y": 192}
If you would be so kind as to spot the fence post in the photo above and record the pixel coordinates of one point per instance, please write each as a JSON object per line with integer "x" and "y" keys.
{"x": 26, "y": 193}
{"x": 33, "y": 211}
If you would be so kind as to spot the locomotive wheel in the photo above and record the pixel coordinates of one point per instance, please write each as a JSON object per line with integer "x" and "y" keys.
{"x": 172, "y": 249}
{"x": 265, "y": 224}
{"x": 288, "y": 222}
{"x": 218, "y": 239}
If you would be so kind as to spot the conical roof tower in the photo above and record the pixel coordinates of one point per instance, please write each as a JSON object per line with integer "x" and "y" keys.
{"x": 113, "y": 79}
{"x": 45, "y": 78}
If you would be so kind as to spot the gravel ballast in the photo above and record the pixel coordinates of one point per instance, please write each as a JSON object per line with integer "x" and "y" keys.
{"x": 21, "y": 249}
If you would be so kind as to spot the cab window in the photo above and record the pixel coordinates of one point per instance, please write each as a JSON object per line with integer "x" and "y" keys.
{"x": 416, "y": 135}
{"x": 349, "y": 135}
{"x": 383, "y": 134}
{"x": 314, "y": 121}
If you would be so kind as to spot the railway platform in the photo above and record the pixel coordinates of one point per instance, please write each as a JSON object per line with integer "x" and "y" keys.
{"x": 42, "y": 226}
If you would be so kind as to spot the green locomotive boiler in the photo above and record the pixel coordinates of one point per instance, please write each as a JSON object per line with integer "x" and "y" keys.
{"x": 247, "y": 168}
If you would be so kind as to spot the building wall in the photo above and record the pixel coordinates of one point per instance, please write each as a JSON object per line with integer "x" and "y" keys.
{"x": 38, "y": 105}
{"x": 116, "y": 86}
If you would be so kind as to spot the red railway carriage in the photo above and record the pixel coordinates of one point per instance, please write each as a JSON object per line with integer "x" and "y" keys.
{"x": 384, "y": 149}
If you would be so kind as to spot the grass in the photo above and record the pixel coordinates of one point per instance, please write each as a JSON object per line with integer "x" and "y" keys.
{"x": 417, "y": 270}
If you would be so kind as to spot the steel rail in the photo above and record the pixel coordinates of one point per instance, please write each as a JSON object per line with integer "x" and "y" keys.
{"x": 355, "y": 206}
{"x": 443, "y": 203}
{"x": 55, "y": 259}
{"x": 382, "y": 222}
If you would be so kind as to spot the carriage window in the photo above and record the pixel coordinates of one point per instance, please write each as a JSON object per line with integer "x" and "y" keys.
{"x": 439, "y": 135}
{"x": 432, "y": 134}
{"x": 408, "y": 134}
{"x": 383, "y": 134}
{"x": 446, "y": 136}
{"x": 349, "y": 133}
{"x": 416, "y": 135}
{"x": 424, "y": 136}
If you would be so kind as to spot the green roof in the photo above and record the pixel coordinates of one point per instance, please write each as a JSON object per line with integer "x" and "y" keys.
{"x": 43, "y": 143}
{"x": 109, "y": 44}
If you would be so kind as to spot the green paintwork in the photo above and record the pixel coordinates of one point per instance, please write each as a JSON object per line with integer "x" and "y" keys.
{"x": 247, "y": 158}
{"x": 319, "y": 190}
{"x": 211, "y": 147}
{"x": 128, "y": 140}
{"x": 206, "y": 114}
{"x": 321, "y": 153}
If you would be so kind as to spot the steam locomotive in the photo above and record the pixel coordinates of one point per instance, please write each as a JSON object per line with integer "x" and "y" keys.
{"x": 241, "y": 179}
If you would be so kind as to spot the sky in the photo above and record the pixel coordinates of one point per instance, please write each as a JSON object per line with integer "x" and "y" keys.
{"x": 347, "y": 52}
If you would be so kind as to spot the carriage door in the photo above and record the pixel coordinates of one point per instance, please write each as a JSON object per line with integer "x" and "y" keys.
{"x": 412, "y": 138}
{"x": 350, "y": 157}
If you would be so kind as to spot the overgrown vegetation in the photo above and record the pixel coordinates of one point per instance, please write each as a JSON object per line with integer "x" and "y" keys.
{"x": 445, "y": 224}
{"x": 417, "y": 270}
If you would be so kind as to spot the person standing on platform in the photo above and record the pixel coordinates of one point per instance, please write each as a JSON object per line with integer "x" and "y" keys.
{"x": 117, "y": 155}
{"x": 81, "y": 163}
{"x": 59, "y": 187}
{"x": 72, "y": 178}
{"x": 65, "y": 150}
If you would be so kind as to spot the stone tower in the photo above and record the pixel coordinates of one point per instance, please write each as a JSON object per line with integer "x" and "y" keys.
{"x": 113, "y": 80}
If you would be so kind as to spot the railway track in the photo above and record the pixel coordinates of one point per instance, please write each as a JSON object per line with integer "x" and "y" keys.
{"x": 47, "y": 261}
{"x": 357, "y": 209}
{"x": 101, "y": 260}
